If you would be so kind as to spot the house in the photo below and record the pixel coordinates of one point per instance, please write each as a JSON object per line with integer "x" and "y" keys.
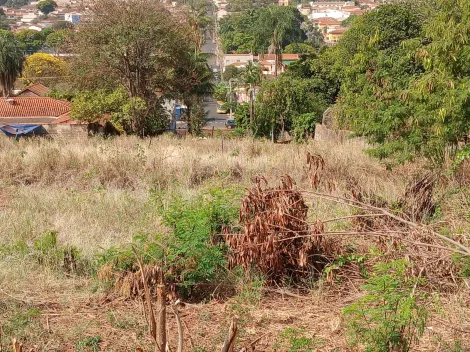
{"x": 325, "y": 24}
{"x": 284, "y": 2}
{"x": 335, "y": 35}
{"x": 35, "y": 90}
{"x": 266, "y": 61}
{"x": 39, "y": 116}
{"x": 240, "y": 60}
{"x": 73, "y": 17}
{"x": 334, "y": 14}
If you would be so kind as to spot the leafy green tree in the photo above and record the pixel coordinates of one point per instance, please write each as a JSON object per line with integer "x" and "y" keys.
{"x": 256, "y": 30}
{"x": 283, "y": 25}
{"x": 349, "y": 21}
{"x": 46, "y": 6}
{"x": 231, "y": 72}
{"x": 299, "y": 48}
{"x": 30, "y": 40}
{"x": 303, "y": 126}
{"x": 406, "y": 88}
{"x": 60, "y": 41}
{"x": 148, "y": 57}
{"x": 16, "y": 4}
{"x": 279, "y": 102}
{"x": 4, "y": 21}
{"x": 11, "y": 61}
{"x": 197, "y": 119}
{"x": 221, "y": 91}
{"x": 242, "y": 116}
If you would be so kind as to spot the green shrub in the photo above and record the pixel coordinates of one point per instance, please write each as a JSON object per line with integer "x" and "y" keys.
{"x": 194, "y": 252}
{"x": 390, "y": 316}
{"x": 195, "y": 247}
{"x": 293, "y": 340}
{"x": 88, "y": 344}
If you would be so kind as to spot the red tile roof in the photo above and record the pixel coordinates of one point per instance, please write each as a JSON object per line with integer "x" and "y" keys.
{"x": 285, "y": 57}
{"x": 340, "y": 30}
{"x": 33, "y": 107}
{"x": 326, "y": 21}
{"x": 37, "y": 89}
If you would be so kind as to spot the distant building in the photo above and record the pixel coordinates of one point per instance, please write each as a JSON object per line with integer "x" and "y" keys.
{"x": 284, "y": 2}
{"x": 335, "y": 35}
{"x": 73, "y": 17}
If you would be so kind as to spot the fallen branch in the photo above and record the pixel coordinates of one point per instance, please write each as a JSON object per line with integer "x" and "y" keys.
{"x": 231, "y": 337}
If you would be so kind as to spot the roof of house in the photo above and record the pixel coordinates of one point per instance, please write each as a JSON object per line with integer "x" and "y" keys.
{"x": 326, "y": 21}
{"x": 340, "y": 30}
{"x": 37, "y": 89}
{"x": 43, "y": 108}
{"x": 285, "y": 57}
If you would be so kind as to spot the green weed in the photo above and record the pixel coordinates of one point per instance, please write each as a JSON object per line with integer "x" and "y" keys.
{"x": 88, "y": 344}
{"x": 293, "y": 340}
{"x": 390, "y": 316}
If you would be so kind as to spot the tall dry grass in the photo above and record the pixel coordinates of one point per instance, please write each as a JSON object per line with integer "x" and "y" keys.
{"x": 94, "y": 193}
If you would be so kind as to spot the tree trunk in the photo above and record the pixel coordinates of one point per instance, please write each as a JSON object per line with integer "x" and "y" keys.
{"x": 161, "y": 312}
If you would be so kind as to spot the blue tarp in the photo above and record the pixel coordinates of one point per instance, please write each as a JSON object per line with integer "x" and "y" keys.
{"x": 19, "y": 130}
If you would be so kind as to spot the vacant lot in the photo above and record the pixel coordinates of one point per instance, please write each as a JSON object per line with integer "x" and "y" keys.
{"x": 68, "y": 207}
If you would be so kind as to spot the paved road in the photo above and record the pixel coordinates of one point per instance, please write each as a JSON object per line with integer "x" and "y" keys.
{"x": 214, "y": 119}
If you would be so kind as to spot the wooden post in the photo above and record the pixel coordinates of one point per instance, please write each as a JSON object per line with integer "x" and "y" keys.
{"x": 161, "y": 311}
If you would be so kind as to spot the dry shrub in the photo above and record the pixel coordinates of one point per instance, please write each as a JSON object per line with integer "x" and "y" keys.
{"x": 199, "y": 173}
{"x": 276, "y": 237}
{"x": 129, "y": 284}
{"x": 418, "y": 200}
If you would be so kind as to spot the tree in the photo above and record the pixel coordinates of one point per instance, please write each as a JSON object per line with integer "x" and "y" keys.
{"x": 4, "y": 21}
{"x": 199, "y": 82}
{"x": 284, "y": 26}
{"x": 16, "y": 4}
{"x": 59, "y": 41}
{"x": 197, "y": 119}
{"x": 252, "y": 31}
{"x": 279, "y": 102}
{"x": 198, "y": 20}
{"x": 43, "y": 68}
{"x": 221, "y": 91}
{"x": 251, "y": 78}
{"x": 299, "y": 48}
{"x": 134, "y": 46}
{"x": 231, "y": 72}
{"x": 30, "y": 40}
{"x": 46, "y": 6}
{"x": 11, "y": 61}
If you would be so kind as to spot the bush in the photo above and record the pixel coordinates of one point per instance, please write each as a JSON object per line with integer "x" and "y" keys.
{"x": 390, "y": 316}
{"x": 193, "y": 253}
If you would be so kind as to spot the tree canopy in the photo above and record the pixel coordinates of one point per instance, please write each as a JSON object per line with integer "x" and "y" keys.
{"x": 45, "y": 69}
{"x": 255, "y": 29}
{"x": 140, "y": 48}
{"x": 11, "y": 61}
{"x": 46, "y": 6}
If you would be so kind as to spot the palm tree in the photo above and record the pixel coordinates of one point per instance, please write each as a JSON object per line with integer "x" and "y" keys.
{"x": 200, "y": 80}
{"x": 198, "y": 20}
{"x": 11, "y": 61}
{"x": 252, "y": 77}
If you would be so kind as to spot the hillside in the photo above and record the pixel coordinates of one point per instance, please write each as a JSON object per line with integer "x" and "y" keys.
{"x": 70, "y": 208}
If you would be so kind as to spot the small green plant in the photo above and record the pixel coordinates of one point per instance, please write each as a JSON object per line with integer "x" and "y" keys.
{"x": 293, "y": 340}
{"x": 88, "y": 344}
{"x": 391, "y": 315}
{"x": 20, "y": 321}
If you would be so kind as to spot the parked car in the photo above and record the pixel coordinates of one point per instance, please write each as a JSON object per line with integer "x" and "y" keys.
{"x": 220, "y": 108}
{"x": 230, "y": 124}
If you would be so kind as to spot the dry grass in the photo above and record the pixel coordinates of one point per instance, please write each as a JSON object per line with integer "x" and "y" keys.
{"x": 95, "y": 194}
